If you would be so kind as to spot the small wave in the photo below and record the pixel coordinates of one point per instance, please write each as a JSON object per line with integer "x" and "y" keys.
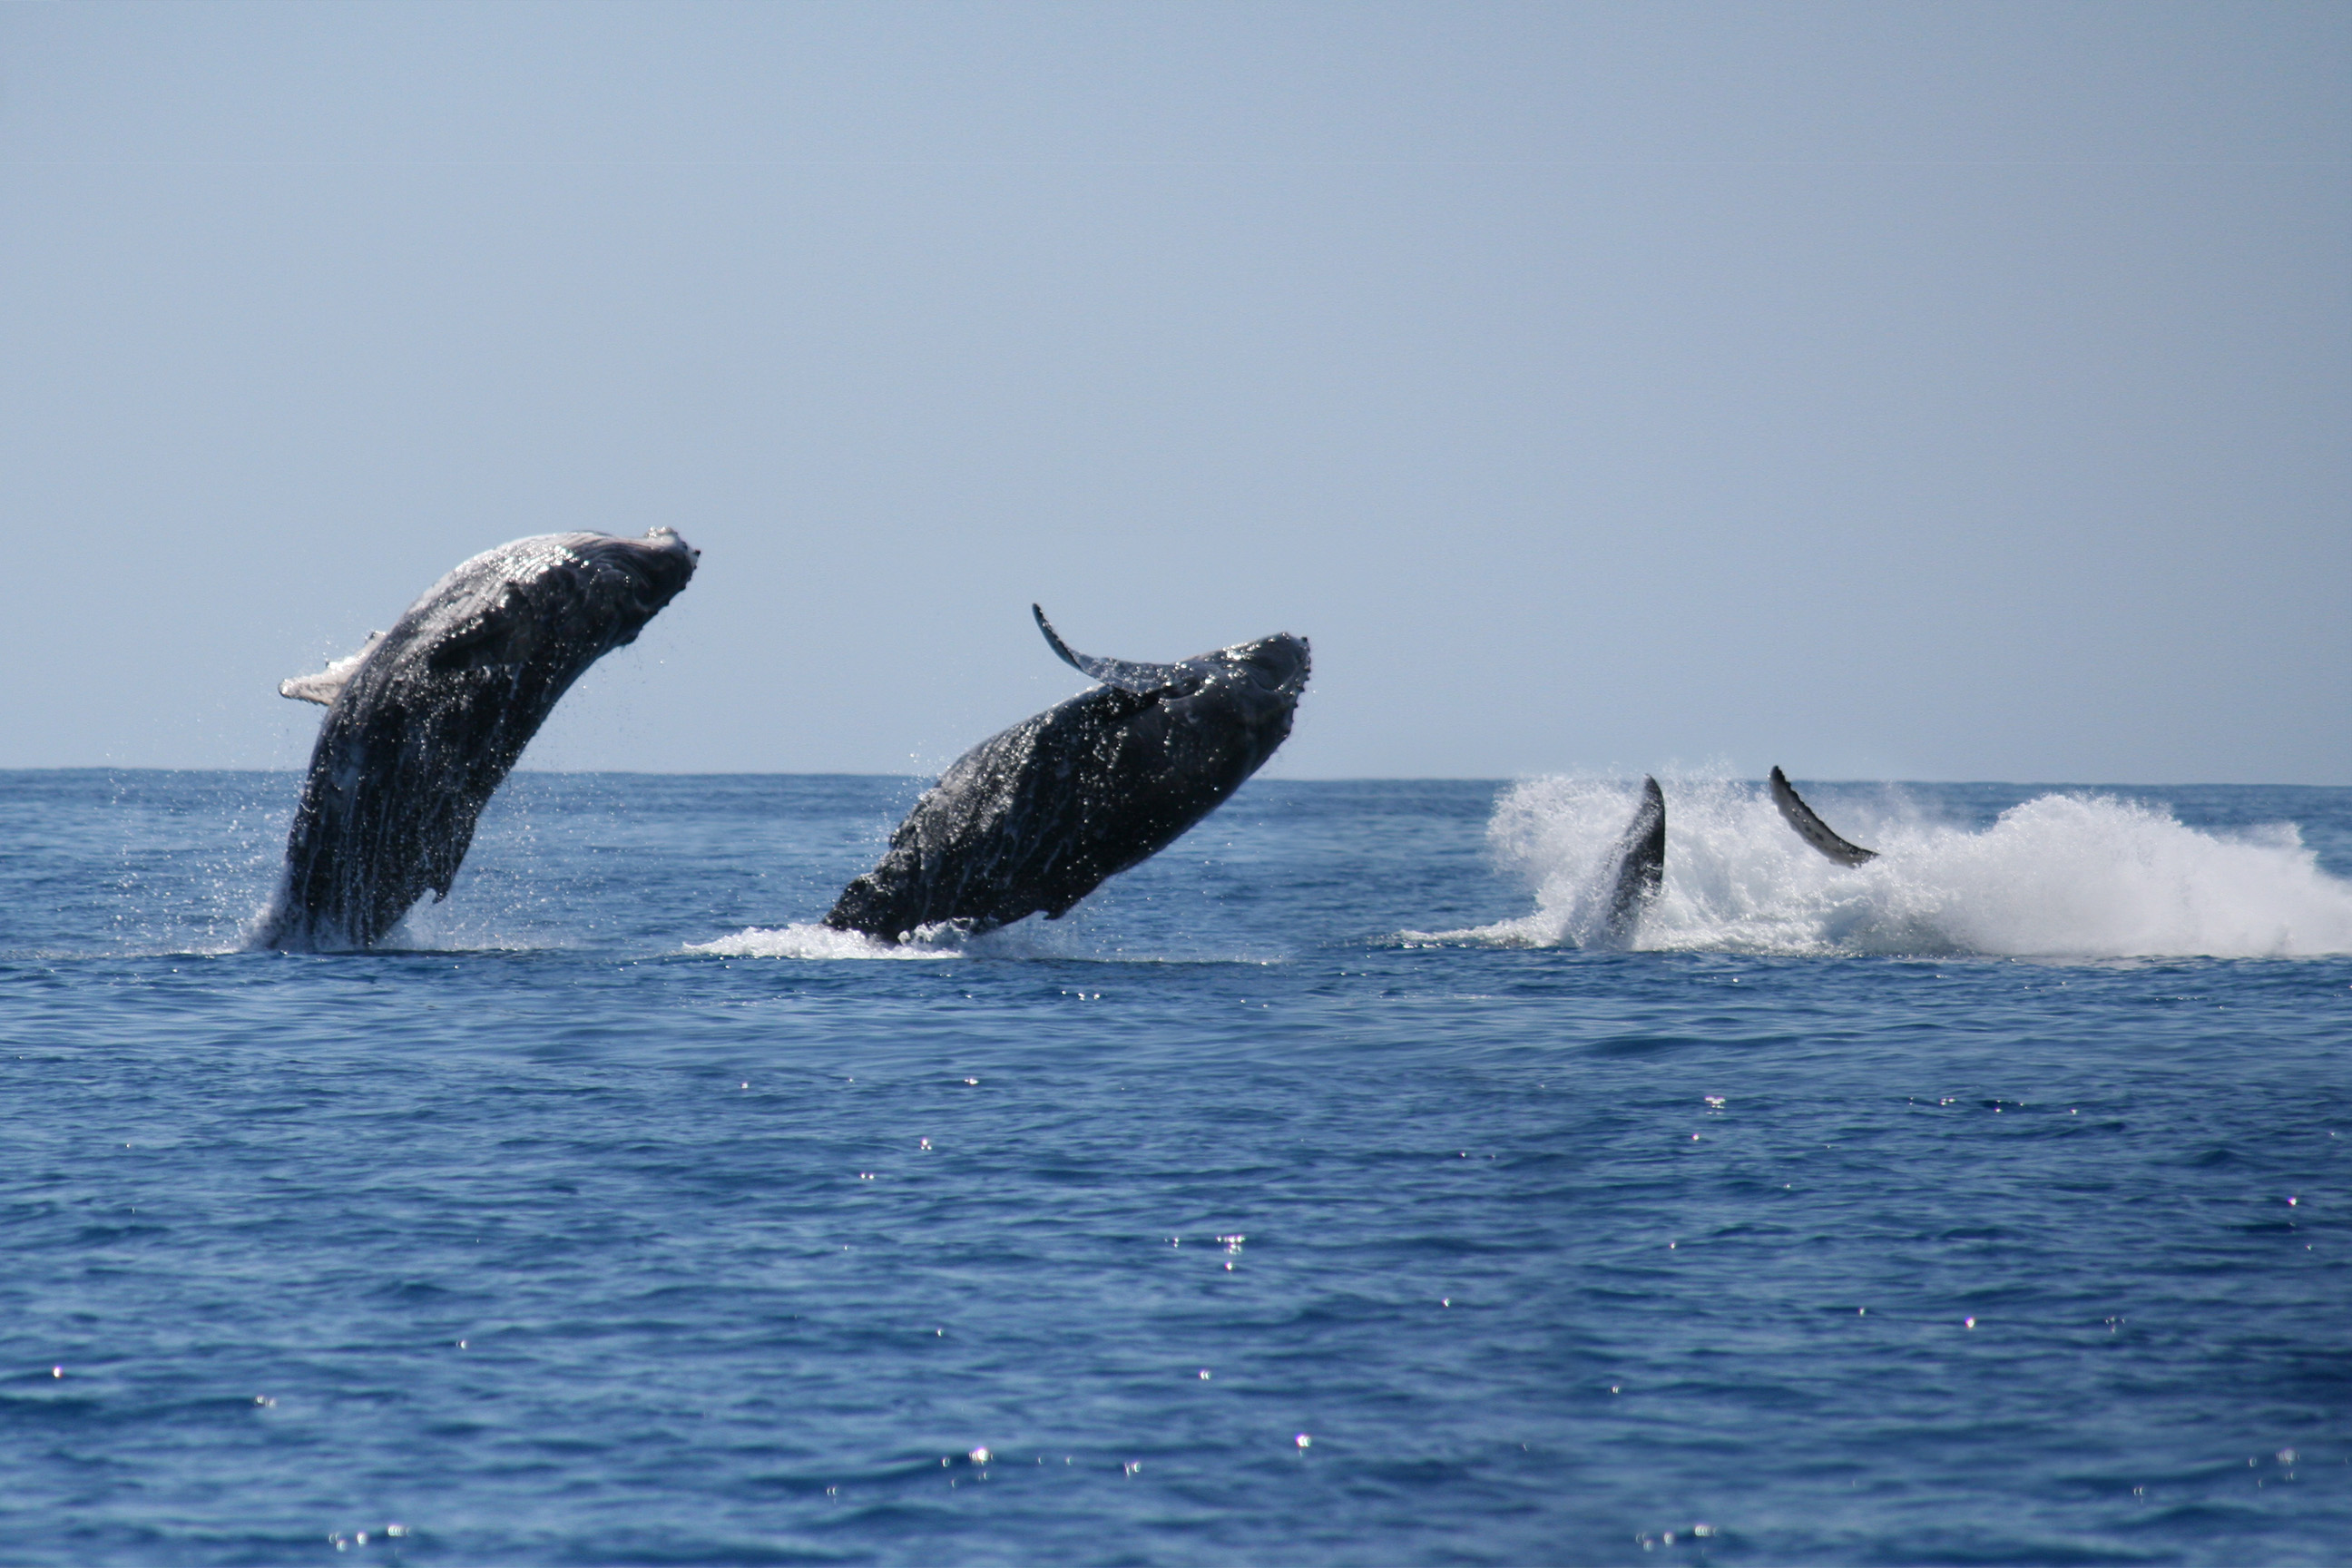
{"x": 2073, "y": 876}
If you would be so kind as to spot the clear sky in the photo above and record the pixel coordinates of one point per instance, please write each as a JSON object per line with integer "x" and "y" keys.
{"x": 1920, "y": 391}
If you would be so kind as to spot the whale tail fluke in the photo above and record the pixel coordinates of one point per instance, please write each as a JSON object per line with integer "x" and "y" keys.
{"x": 1641, "y": 866}
{"x": 1812, "y": 828}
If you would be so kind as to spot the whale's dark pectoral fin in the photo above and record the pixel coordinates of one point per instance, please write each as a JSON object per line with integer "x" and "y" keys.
{"x": 1641, "y": 865}
{"x": 1812, "y": 828}
{"x": 1128, "y": 675}
{"x": 1053, "y": 640}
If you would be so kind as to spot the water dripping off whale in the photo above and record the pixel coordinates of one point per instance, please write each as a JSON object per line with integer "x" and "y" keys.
{"x": 1034, "y": 819}
{"x": 425, "y": 720}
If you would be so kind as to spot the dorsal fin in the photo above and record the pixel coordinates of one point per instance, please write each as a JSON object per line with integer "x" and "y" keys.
{"x": 1812, "y": 828}
{"x": 324, "y": 687}
{"x": 1126, "y": 674}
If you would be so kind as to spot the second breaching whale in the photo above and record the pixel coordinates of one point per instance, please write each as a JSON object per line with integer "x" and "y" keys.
{"x": 1034, "y": 819}
{"x": 425, "y": 720}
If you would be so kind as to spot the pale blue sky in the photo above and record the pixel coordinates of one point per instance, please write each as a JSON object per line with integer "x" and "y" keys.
{"x": 1930, "y": 392}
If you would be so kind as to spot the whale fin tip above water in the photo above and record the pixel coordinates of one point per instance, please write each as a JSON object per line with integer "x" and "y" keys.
{"x": 1811, "y": 827}
{"x": 1128, "y": 675}
{"x": 328, "y": 683}
{"x": 1053, "y": 640}
{"x": 1641, "y": 863}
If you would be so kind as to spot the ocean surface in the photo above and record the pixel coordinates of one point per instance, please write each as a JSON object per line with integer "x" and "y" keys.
{"x": 1306, "y": 1196}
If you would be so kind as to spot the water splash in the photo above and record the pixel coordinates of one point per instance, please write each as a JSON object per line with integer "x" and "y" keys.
{"x": 2063, "y": 875}
{"x": 823, "y": 942}
{"x": 1076, "y": 940}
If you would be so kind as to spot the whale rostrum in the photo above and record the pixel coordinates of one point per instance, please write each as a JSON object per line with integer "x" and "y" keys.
{"x": 1812, "y": 828}
{"x": 1034, "y": 819}
{"x": 425, "y": 720}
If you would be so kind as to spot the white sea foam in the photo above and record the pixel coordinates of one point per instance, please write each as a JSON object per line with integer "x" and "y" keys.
{"x": 2060, "y": 876}
{"x": 1032, "y": 939}
{"x": 812, "y": 940}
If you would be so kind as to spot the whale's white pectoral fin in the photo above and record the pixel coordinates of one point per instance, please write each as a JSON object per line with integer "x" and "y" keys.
{"x": 323, "y": 687}
{"x": 320, "y": 688}
{"x": 1126, "y": 674}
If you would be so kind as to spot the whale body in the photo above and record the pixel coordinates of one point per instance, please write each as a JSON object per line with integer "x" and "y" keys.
{"x": 1641, "y": 868}
{"x": 1812, "y": 828}
{"x": 425, "y": 720}
{"x": 1034, "y": 819}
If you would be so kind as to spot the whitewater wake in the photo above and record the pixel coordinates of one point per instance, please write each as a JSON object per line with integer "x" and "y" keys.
{"x": 822, "y": 941}
{"x": 1065, "y": 940}
{"x": 2062, "y": 876}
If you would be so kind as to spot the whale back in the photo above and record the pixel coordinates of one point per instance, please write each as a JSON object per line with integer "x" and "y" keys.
{"x": 421, "y": 733}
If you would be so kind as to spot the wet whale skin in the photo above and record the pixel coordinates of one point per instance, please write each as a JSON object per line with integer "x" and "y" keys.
{"x": 1034, "y": 819}
{"x": 434, "y": 717}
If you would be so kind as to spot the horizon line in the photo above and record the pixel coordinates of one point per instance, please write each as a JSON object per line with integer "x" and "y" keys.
{"x": 1318, "y": 779}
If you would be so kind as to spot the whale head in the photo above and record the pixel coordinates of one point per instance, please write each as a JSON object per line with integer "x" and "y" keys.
{"x": 607, "y": 585}
{"x": 647, "y": 571}
{"x": 1246, "y": 696}
{"x": 1274, "y": 668}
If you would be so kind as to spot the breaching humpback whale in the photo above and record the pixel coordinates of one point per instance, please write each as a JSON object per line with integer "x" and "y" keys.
{"x": 1812, "y": 828}
{"x": 424, "y": 721}
{"x": 1037, "y": 818}
{"x": 1641, "y": 855}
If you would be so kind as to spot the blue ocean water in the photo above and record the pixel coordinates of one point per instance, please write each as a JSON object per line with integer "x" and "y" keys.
{"x": 1301, "y": 1198}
